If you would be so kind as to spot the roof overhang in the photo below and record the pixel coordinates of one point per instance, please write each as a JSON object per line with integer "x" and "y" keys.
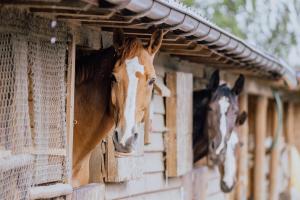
{"x": 190, "y": 36}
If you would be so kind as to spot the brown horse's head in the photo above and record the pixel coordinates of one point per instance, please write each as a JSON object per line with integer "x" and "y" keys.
{"x": 132, "y": 84}
{"x": 222, "y": 119}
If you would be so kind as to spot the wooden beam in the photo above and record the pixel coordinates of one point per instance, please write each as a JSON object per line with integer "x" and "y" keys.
{"x": 290, "y": 123}
{"x": 297, "y": 125}
{"x": 290, "y": 137}
{"x": 275, "y": 155}
{"x": 242, "y": 184}
{"x": 70, "y": 104}
{"x": 260, "y": 157}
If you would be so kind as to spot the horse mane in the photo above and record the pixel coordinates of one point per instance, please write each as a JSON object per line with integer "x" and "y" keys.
{"x": 101, "y": 62}
{"x": 93, "y": 63}
{"x": 132, "y": 47}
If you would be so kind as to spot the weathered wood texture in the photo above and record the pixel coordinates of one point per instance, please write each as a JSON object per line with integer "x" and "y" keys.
{"x": 88, "y": 37}
{"x": 290, "y": 136}
{"x": 179, "y": 122}
{"x": 297, "y": 126}
{"x": 206, "y": 184}
{"x": 242, "y": 182}
{"x": 275, "y": 162}
{"x": 106, "y": 165}
{"x": 91, "y": 191}
{"x": 70, "y": 105}
{"x": 260, "y": 133}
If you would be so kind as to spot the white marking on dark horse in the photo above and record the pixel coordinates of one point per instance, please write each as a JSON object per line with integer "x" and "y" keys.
{"x": 230, "y": 161}
{"x": 132, "y": 66}
{"x": 224, "y": 105}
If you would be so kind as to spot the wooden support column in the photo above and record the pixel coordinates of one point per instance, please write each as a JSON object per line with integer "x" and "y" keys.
{"x": 260, "y": 157}
{"x": 275, "y": 155}
{"x": 290, "y": 137}
{"x": 242, "y": 185}
{"x": 290, "y": 124}
{"x": 70, "y": 106}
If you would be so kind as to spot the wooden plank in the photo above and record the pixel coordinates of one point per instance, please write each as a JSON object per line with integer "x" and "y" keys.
{"x": 290, "y": 123}
{"x": 242, "y": 182}
{"x": 260, "y": 134}
{"x": 70, "y": 103}
{"x": 170, "y": 137}
{"x": 200, "y": 183}
{"x": 110, "y": 159}
{"x": 290, "y": 137}
{"x": 50, "y": 191}
{"x": 217, "y": 196}
{"x": 158, "y": 104}
{"x": 97, "y": 170}
{"x": 188, "y": 185}
{"x": 156, "y": 143}
{"x": 179, "y": 122}
{"x": 153, "y": 162}
{"x": 148, "y": 184}
{"x": 127, "y": 168}
{"x": 158, "y": 123}
{"x": 213, "y": 186}
{"x": 184, "y": 122}
{"x": 297, "y": 126}
{"x": 275, "y": 162}
{"x": 94, "y": 191}
{"x": 173, "y": 194}
{"x": 106, "y": 163}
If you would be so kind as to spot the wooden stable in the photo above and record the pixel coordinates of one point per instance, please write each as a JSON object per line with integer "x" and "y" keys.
{"x": 163, "y": 166}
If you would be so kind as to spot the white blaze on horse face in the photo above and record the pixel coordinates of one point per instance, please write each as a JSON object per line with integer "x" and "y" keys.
{"x": 230, "y": 161}
{"x": 132, "y": 66}
{"x": 224, "y": 105}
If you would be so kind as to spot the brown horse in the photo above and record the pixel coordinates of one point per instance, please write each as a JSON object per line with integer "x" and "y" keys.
{"x": 216, "y": 116}
{"x": 113, "y": 91}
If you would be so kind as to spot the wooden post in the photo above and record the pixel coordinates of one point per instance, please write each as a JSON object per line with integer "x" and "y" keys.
{"x": 70, "y": 105}
{"x": 290, "y": 137}
{"x": 275, "y": 154}
{"x": 290, "y": 123}
{"x": 260, "y": 134}
{"x": 297, "y": 125}
{"x": 179, "y": 153}
{"x": 242, "y": 185}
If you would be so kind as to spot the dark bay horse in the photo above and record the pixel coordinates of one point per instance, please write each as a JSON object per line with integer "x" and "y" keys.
{"x": 113, "y": 91}
{"x": 216, "y": 116}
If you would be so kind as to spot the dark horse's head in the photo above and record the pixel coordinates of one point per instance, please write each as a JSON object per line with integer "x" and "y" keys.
{"x": 220, "y": 116}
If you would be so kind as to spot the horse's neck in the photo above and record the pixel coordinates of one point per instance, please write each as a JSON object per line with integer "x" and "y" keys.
{"x": 92, "y": 103}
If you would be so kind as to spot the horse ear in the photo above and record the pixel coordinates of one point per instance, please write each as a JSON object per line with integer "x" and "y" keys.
{"x": 241, "y": 118}
{"x": 239, "y": 85}
{"x": 214, "y": 81}
{"x": 118, "y": 38}
{"x": 155, "y": 41}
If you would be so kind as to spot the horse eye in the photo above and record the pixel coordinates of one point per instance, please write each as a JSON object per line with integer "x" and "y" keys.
{"x": 209, "y": 108}
{"x": 151, "y": 81}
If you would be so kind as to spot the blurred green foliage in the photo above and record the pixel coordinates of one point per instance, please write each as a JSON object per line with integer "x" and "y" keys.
{"x": 272, "y": 25}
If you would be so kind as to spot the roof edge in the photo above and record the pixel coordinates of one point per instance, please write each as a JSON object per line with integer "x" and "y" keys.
{"x": 261, "y": 59}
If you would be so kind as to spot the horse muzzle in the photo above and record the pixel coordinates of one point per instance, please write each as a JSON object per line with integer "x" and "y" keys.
{"x": 129, "y": 147}
{"x": 225, "y": 188}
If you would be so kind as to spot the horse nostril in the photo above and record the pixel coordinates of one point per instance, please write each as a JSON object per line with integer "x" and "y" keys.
{"x": 116, "y": 135}
{"x": 225, "y": 188}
